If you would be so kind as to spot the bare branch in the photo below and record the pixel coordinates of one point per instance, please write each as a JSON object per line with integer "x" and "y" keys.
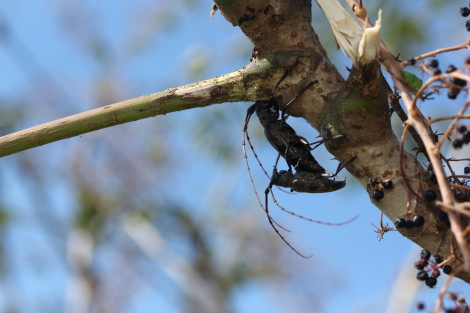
{"x": 226, "y": 88}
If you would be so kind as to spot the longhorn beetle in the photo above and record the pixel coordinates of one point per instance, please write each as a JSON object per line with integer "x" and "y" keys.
{"x": 293, "y": 148}
{"x": 310, "y": 176}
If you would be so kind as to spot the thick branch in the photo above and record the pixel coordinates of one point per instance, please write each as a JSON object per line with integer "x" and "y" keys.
{"x": 368, "y": 135}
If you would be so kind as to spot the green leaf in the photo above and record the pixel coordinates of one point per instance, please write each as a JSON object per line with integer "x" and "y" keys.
{"x": 412, "y": 80}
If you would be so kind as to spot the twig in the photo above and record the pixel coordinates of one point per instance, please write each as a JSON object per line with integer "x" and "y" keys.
{"x": 442, "y": 292}
{"x": 445, "y": 118}
{"x": 438, "y": 51}
{"x": 382, "y": 230}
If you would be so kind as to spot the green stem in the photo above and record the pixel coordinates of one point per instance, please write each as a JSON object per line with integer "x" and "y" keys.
{"x": 235, "y": 86}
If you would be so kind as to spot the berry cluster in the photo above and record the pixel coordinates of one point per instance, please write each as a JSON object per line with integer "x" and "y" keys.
{"x": 465, "y": 11}
{"x": 430, "y": 195}
{"x": 460, "y": 304}
{"x": 462, "y": 137}
{"x": 380, "y": 185}
{"x": 425, "y": 266}
{"x": 434, "y": 64}
{"x": 457, "y": 83}
{"x": 454, "y": 91}
{"x": 417, "y": 221}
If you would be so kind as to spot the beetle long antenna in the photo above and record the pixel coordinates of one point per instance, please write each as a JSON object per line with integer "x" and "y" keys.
{"x": 286, "y": 107}
{"x": 343, "y": 165}
{"x": 279, "y": 82}
{"x": 309, "y": 219}
{"x": 251, "y": 178}
{"x": 276, "y": 230}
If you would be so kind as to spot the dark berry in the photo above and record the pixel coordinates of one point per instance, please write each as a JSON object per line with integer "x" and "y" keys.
{"x": 418, "y": 266}
{"x": 436, "y": 273}
{"x": 412, "y": 61}
{"x": 451, "y": 68}
{"x": 429, "y": 195}
{"x": 430, "y": 282}
{"x": 443, "y": 216}
{"x": 457, "y": 143}
{"x": 459, "y": 82}
{"x": 409, "y": 224}
{"x": 467, "y": 25}
{"x": 377, "y": 194}
{"x": 466, "y": 138}
{"x": 422, "y": 275}
{"x": 466, "y": 170}
{"x": 420, "y": 306}
{"x": 425, "y": 254}
{"x": 452, "y": 296}
{"x": 437, "y": 71}
{"x": 400, "y": 223}
{"x": 418, "y": 220}
{"x": 447, "y": 269}
{"x": 438, "y": 258}
{"x": 453, "y": 93}
{"x": 421, "y": 264}
{"x": 434, "y": 63}
{"x": 462, "y": 129}
{"x": 424, "y": 261}
{"x": 467, "y": 60}
{"x": 464, "y": 11}
{"x": 434, "y": 178}
{"x": 388, "y": 184}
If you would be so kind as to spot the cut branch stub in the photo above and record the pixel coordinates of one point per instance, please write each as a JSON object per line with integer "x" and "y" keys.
{"x": 360, "y": 112}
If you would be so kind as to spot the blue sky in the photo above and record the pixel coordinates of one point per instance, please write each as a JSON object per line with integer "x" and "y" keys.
{"x": 363, "y": 269}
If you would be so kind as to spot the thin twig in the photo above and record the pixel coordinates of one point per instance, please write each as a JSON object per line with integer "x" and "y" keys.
{"x": 438, "y": 51}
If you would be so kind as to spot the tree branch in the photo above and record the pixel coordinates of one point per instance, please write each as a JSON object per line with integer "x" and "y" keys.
{"x": 227, "y": 88}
